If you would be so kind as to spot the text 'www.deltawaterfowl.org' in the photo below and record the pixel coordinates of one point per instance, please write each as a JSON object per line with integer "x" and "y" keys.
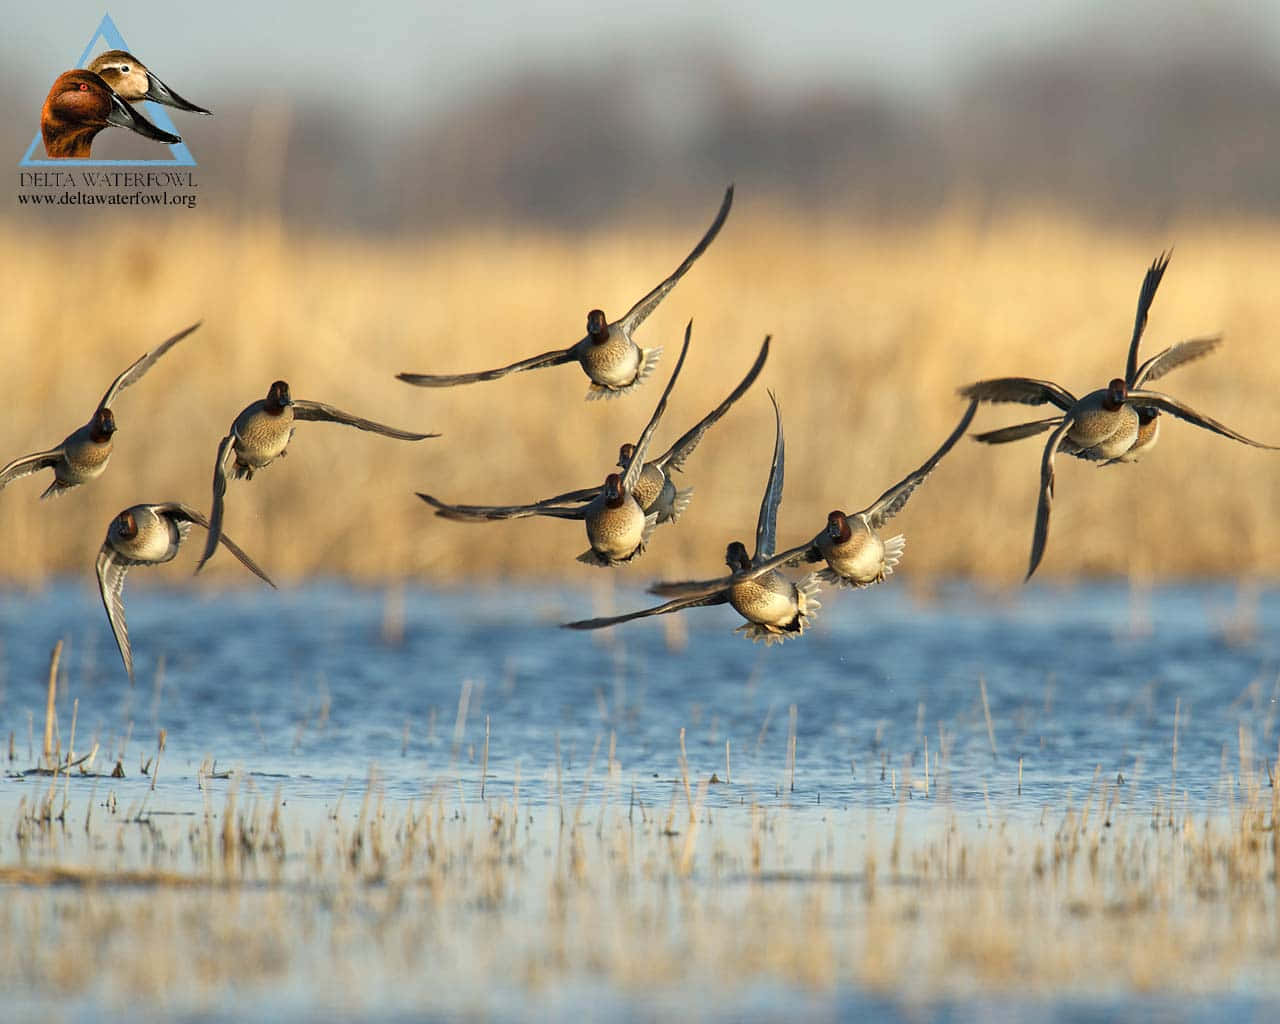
{"x": 84, "y": 187}
{"x": 107, "y": 199}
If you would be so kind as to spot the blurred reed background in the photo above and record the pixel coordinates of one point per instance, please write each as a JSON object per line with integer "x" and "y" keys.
{"x": 896, "y": 243}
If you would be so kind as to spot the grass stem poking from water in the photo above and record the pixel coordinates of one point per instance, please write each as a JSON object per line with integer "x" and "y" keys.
{"x": 484, "y": 764}
{"x": 75, "y": 714}
{"x": 1177, "y": 712}
{"x": 791, "y": 749}
{"x": 986, "y": 714}
{"x": 684, "y": 774}
{"x": 50, "y": 711}
{"x": 459, "y": 723}
{"x": 155, "y": 772}
{"x": 728, "y": 776}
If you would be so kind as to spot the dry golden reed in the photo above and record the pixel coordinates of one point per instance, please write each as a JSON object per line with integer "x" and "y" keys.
{"x": 874, "y": 327}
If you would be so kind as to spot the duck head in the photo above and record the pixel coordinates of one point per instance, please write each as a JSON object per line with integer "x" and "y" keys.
{"x": 614, "y": 495}
{"x": 625, "y": 454}
{"x": 80, "y": 105}
{"x": 736, "y": 557}
{"x": 597, "y": 326}
{"x": 126, "y": 524}
{"x": 102, "y": 426}
{"x": 1117, "y": 392}
{"x": 838, "y": 527}
{"x": 134, "y": 81}
{"x": 278, "y": 397}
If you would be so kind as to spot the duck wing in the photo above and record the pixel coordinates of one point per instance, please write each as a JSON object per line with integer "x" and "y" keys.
{"x": 112, "y": 567}
{"x": 186, "y": 514}
{"x": 321, "y": 413}
{"x": 675, "y": 456}
{"x": 802, "y": 553}
{"x": 142, "y": 364}
{"x": 1018, "y": 431}
{"x": 892, "y": 501}
{"x": 29, "y": 464}
{"x": 1025, "y": 390}
{"x": 662, "y": 609}
{"x": 1041, "y": 536}
{"x": 767, "y": 523}
{"x": 490, "y": 513}
{"x": 440, "y": 380}
{"x": 226, "y": 453}
{"x": 631, "y": 476}
{"x": 1173, "y": 357}
{"x": 1156, "y": 400}
{"x": 638, "y": 313}
{"x": 1149, "y": 285}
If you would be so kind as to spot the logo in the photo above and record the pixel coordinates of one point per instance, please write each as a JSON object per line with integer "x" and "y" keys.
{"x": 108, "y": 91}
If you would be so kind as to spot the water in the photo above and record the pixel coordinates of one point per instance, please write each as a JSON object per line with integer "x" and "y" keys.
{"x": 307, "y": 690}
{"x": 1076, "y": 680}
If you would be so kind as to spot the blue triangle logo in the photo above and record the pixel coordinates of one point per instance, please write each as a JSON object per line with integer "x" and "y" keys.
{"x": 109, "y": 34}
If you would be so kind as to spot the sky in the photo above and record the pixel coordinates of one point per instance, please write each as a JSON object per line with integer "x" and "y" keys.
{"x": 425, "y": 55}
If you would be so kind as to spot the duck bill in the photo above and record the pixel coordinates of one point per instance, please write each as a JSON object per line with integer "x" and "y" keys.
{"x": 158, "y": 92}
{"x": 124, "y": 116}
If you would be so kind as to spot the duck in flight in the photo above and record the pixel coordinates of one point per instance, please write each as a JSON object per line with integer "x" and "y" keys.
{"x": 261, "y": 434}
{"x": 134, "y": 82}
{"x": 655, "y": 490}
{"x": 83, "y": 454}
{"x": 608, "y": 354}
{"x": 1135, "y": 377}
{"x": 618, "y": 526}
{"x": 774, "y": 606}
{"x": 1105, "y": 425}
{"x": 148, "y": 535}
{"x": 80, "y": 105}
{"x": 850, "y": 543}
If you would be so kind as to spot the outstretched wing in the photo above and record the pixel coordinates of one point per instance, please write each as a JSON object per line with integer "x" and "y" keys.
{"x": 675, "y": 456}
{"x": 892, "y": 501}
{"x": 1149, "y": 285}
{"x": 177, "y": 510}
{"x": 662, "y": 609}
{"x": 1173, "y": 357}
{"x": 636, "y": 466}
{"x": 1024, "y": 390}
{"x": 767, "y": 523}
{"x": 112, "y": 569}
{"x": 1157, "y": 400}
{"x": 319, "y": 412}
{"x": 142, "y": 364}
{"x": 1041, "y": 536}
{"x": 488, "y": 513}
{"x": 638, "y": 313}
{"x": 29, "y": 464}
{"x": 439, "y": 380}
{"x": 1018, "y": 431}
{"x": 226, "y": 452}
{"x": 802, "y": 553}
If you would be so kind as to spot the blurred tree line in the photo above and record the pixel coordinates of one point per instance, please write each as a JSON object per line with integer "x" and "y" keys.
{"x": 1086, "y": 128}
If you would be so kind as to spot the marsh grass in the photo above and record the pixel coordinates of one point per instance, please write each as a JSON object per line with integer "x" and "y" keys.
{"x": 495, "y": 902}
{"x": 474, "y": 897}
{"x": 874, "y": 326}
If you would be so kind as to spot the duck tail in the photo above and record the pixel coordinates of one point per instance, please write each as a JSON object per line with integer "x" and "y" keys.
{"x": 679, "y": 504}
{"x": 807, "y": 601}
{"x": 893, "y": 549}
{"x": 56, "y": 489}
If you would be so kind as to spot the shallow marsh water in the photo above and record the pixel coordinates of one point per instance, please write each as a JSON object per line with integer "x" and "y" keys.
{"x": 1035, "y": 708}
